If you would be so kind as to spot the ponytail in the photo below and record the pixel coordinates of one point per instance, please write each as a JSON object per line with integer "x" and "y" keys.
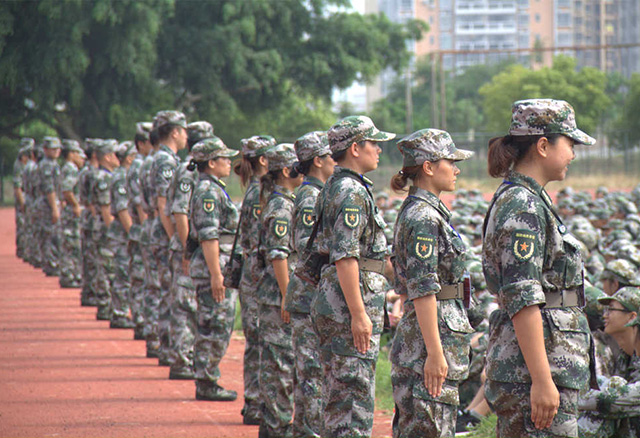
{"x": 267, "y": 185}
{"x": 245, "y": 168}
{"x": 191, "y": 166}
{"x": 400, "y": 180}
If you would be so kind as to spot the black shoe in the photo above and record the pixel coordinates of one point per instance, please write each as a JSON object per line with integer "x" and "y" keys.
{"x": 122, "y": 323}
{"x": 163, "y": 361}
{"x": 69, "y": 284}
{"x": 182, "y": 373}
{"x": 104, "y": 314}
{"x": 251, "y": 420}
{"x": 213, "y": 392}
{"x": 138, "y": 334}
{"x": 152, "y": 352}
{"x": 465, "y": 421}
{"x": 88, "y": 301}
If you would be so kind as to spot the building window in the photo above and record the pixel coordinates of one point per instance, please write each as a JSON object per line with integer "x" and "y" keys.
{"x": 564, "y": 20}
{"x": 563, "y": 3}
{"x": 445, "y": 22}
{"x": 523, "y": 41}
{"x": 537, "y": 18}
{"x": 523, "y": 3}
{"x": 445, "y": 42}
{"x": 564, "y": 39}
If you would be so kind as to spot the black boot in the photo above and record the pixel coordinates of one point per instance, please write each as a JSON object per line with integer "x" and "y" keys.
{"x": 207, "y": 390}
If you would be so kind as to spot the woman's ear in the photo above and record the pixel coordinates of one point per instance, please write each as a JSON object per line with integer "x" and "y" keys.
{"x": 427, "y": 168}
{"x": 542, "y": 147}
{"x": 354, "y": 149}
{"x": 286, "y": 172}
{"x": 263, "y": 160}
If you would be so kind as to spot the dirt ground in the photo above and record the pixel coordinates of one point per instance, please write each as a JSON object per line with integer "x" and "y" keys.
{"x": 65, "y": 374}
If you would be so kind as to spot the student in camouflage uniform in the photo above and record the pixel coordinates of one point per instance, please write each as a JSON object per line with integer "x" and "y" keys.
{"x": 540, "y": 347}
{"x": 430, "y": 352}
{"x": 276, "y": 263}
{"x": 619, "y": 273}
{"x": 251, "y": 168}
{"x": 316, "y": 164}
{"x": 49, "y": 205}
{"x": 183, "y": 294}
{"x": 118, "y": 238}
{"x": 213, "y": 220}
{"x": 172, "y": 135}
{"x": 101, "y": 193}
{"x": 88, "y": 219}
{"x": 138, "y": 216}
{"x": 348, "y": 310}
{"x": 617, "y": 403}
{"x": 70, "y": 241}
{"x": 28, "y": 188}
{"x": 24, "y": 156}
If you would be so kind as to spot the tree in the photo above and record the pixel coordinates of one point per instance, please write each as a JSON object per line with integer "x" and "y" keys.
{"x": 626, "y": 128}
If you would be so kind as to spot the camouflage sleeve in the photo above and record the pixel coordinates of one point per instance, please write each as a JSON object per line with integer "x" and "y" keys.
{"x": 69, "y": 179}
{"x": 133, "y": 186}
{"x": 182, "y": 196}
{"x": 303, "y": 221}
{"x": 103, "y": 195}
{"x": 206, "y": 215}
{"x": 350, "y": 224}
{"x": 251, "y": 211}
{"x": 277, "y": 235}
{"x": 17, "y": 175}
{"x": 119, "y": 199}
{"x": 163, "y": 176}
{"x": 422, "y": 260}
{"x": 48, "y": 179}
{"x": 521, "y": 255}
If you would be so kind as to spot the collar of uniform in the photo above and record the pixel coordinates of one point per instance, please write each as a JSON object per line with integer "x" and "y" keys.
{"x": 431, "y": 199}
{"x": 105, "y": 169}
{"x": 164, "y": 147}
{"x": 366, "y": 181}
{"x": 213, "y": 178}
{"x": 313, "y": 181}
{"x": 525, "y": 181}
{"x": 286, "y": 193}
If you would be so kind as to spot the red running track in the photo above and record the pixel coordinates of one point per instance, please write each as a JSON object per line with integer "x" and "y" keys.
{"x": 63, "y": 373}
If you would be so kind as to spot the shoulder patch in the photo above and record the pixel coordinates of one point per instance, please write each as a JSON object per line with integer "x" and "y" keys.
{"x": 102, "y": 185}
{"x": 208, "y": 205}
{"x": 185, "y": 186}
{"x": 280, "y": 227}
{"x": 256, "y": 211}
{"x": 122, "y": 190}
{"x": 167, "y": 172}
{"x": 424, "y": 246}
{"x": 307, "y": 217}
{"x": 523, "y": 244}
{"x": 351, "y": 216}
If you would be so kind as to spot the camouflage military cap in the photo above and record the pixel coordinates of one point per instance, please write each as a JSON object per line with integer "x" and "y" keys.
{"x": 623, "y": 271}
{"x": 629, "y": 252}
{"x": 257, "y": 145}
{"x": 628, "y": 296}
{"x": 71, "y": 145}
{"x": 51, "y": 143}
{"x": 198, "y": 131}
{"x": 163, "y": 118}
{"x": 281, "y": 156}
{"x": 602, "y": 190}
{"x": 593, "y": 307}
{"x": 626, "y": 206}
{"x": 108, "y": 146}
{"x": 27, "y": 142}
{"x": 382, "y": 195}
{"x": 429, "y": 145}
{"x": 311, "y": 145}
{"x": 599, "y": 213}
{"x": 546, "y": 116}
{"x": 474, "y": 267}
{"x": 144, "y": 128}
{"x": 210, "y": 149}
{"x": 354, "y": 129}
{"x": 125, "y": 149}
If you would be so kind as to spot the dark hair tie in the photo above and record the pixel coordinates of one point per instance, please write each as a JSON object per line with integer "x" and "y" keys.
{"x": 191, "y": 166}
{"x": 401, "y": 172}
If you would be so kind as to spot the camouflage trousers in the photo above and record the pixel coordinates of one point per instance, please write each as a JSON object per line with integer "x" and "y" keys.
{"x": 120, "y": 285}
{"x": 89, "y": 258}
{"x": 151, "y": 288}
{"x": 276, "y": 372}
{"x": 20, "y": 232}
{"x": 104, "y": 270}
{"x": 34, "y": 243}
{"x": 160, "y": 252}
{"x": 416, "y": 412}
{"x": 249, "y": 314}
{"x": 512, "y": 404}
{"x": 591, "y": 425}
{"x": 349, "y": 382}
{"x": 307, "y": 394}
{"x": 50, "y": 238}
{"x": 70, "y": 249}
{"x": 214, "y": 328}
{"x": 136, "y": 277}
{"x": 183, "y": 315}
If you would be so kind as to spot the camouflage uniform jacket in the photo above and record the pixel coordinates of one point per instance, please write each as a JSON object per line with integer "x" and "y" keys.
{"x": 179, "y": 196}
{"x": 102, "y": 194}
{"x": 276, "y": 242}
{"x": 429, "y": 253}
{"x": 300, "y": 293}
{"x": 69, "y": 181}
{"x": 48, "y": 179}
{"x": 165, "y": 163}
{"x": 350, "y": 227}
{"x": 134, "y": 190}
{"x": 147, "y": 195}
{"x": 528, "y": 253}
{"x": 212, "y": 215}
{"x": 119, "y": 202}
{"x": 85, "y": 195}
{"x": 18, "y": 167}
{"x": 249, "y": 228}
{"x": 28, "y": 175}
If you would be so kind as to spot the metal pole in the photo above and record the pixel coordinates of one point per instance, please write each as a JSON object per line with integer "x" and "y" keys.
{"x": 434, "y": 101}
